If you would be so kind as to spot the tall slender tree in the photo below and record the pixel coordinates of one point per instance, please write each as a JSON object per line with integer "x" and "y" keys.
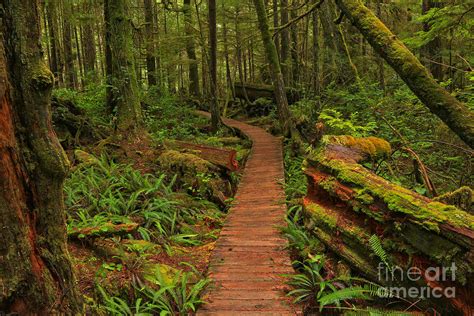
{"x": 190, "y": 49}
{"x": 215, "y": 113}
{"x": 36, "y": 276}
{"x": 150, "y": 42}
{"x": 88, "y": 41}
{"x": 275, "y": 70}
{"x": 69, "y": 68}
{"x": 285, "y": 42}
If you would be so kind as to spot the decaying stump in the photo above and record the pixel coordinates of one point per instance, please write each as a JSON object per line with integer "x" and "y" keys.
{"x": 346, "y": 205}
{"x": 256, "y": 91}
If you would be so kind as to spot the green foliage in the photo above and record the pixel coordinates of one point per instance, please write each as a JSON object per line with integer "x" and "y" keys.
{"x": 451, "y": 17}
{"x": 91, "y": 100}
{"x": 166, "y": 119}
{"x": 110, "y": 192}
{"x": 312, "y": 286}
{"x": 370, "y": 112}
{"x": 295, "y": 180}
{"x": 298, "y": 238}
{"x": 178, "y": 295}
{"x": 377, "y": 248}
{"x": 338, "y": 125}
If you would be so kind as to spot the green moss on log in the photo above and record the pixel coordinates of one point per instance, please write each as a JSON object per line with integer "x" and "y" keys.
{"x": 427, "y": 213}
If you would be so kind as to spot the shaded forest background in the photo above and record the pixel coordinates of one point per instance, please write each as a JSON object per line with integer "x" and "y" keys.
{"x": 338, "y": 76}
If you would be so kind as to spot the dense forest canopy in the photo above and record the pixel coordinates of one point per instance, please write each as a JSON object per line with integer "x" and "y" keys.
{"x": 132, "y": 130}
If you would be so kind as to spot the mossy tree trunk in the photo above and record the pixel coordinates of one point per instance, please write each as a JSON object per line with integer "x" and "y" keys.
{"x": 275, "y": 70}
{"x": 452, "y": 112}
{"x": 123, "y": 95}
{"x": 190, "y": 49}
{"x": 285, "y": 42}
{"x": 346, "y": 205}
{"x": 36, "y": 276}
{"x": 71, "y": 78}
{"x": 295, "y": 64}
{"x": 316, "y": 53}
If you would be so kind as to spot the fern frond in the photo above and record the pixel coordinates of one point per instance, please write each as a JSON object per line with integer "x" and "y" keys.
{"x": 377, "y": 248}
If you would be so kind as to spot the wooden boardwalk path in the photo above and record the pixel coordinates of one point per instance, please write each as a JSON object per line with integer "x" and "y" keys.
{"x": 249, "y": 258}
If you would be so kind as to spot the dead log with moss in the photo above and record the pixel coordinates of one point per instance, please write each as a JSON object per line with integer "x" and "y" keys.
{"x": 456, "y": 115}
{"x": 102, "y": 231}
{"x": 346, "y": 205}
{"x": 198, "y": 176}
{"x": 226, "y": 158}
{"x": 257, "y": 91}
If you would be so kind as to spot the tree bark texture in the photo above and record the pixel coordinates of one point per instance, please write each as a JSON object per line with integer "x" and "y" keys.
{"x": 36, "y": 276}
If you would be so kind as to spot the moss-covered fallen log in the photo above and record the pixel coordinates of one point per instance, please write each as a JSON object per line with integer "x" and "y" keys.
{"x": 102, "y": 231}
{"x": 226, "y": 158}
{"x": 346, "y": 205}
{"x": 452, "y": 112}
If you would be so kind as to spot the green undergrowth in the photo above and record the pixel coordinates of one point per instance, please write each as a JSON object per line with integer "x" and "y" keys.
{"x": 171, "y": 224}
{"x": 111, "y": 192}
{"x": 91, "y": 100}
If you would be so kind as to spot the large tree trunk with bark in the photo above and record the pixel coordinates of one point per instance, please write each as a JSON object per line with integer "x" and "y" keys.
{"x": 275, "y": 70}
{"x": 452, "y": 112}
{"x": 36, "y": 276}
{"x": 121, "y": 76}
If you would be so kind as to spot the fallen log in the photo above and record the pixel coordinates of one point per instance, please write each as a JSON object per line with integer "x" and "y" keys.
{"x": 346, "y": 205}
{"x": 256, "y": 91}
{"x": 222, "y": 157}
{"x": 103, "y": 231}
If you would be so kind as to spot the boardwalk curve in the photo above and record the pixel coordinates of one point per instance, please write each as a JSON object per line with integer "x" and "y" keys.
{"x": 249, "y": 257}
